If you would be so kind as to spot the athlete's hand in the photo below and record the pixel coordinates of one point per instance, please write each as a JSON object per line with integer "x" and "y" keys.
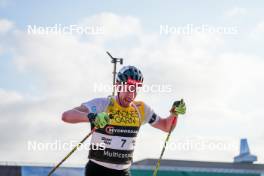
{"x": 100, "y": 120}
{"x": 178, "y": 107}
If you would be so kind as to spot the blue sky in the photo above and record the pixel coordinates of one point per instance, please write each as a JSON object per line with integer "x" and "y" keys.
{"x": 217, "y": 73}
{"x": 169, "y": 12}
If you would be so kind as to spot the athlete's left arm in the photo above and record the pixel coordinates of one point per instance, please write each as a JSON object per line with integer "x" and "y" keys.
{"x": 165, "y": 124}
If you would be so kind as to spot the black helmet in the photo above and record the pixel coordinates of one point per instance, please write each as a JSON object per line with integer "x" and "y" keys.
{"x": 129, "y": 74}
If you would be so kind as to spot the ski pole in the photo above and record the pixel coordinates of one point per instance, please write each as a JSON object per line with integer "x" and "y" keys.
{"x": 164, "y": 146}
{"x": 173, "y": 111}
{"x": 72, "y": 151}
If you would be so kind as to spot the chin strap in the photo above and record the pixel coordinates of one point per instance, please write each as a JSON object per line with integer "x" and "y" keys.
{"x": 118, "y": 99}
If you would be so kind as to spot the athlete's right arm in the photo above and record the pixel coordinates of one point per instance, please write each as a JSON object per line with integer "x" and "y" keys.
{"x": 76, "y": 115}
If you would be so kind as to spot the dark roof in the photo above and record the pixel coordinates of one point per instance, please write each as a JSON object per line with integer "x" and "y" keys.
{"x": 10, "y": 170}
{"x": 200, "y": 166}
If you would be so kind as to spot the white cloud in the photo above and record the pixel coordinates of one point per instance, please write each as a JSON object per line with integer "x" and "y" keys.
{"x": 5, "y": 25}
{"x": 9, "y": 97}
{"x": 236, "y": 11}
{"x": 257, "y": 31}
{"x": 222, "y": 89}
{"x": 114, "y": 26}
{"x": 260, "y": 27}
